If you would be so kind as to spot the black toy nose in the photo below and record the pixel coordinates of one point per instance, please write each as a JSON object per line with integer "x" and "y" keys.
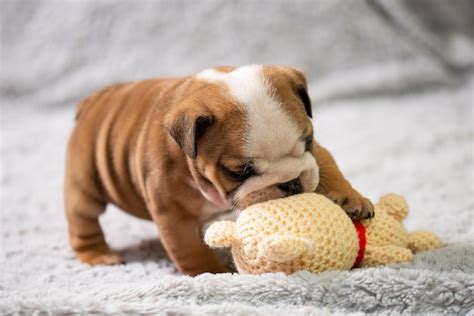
{"x": 291, "y": 187}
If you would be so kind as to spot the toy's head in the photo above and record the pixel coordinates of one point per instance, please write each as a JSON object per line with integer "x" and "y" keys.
{"x": 301, "y": 232}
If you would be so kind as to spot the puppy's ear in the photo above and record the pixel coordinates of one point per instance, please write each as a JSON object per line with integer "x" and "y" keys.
{"x": 303, "y": 94}
{"x": 186, "y": 126}
{"x": 299, "y": 82}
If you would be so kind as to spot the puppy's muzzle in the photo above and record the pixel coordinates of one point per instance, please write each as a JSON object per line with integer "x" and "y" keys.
{"x": 291, "y": 187}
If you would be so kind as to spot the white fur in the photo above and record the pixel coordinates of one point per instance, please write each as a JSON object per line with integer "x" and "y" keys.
{"x": 273, "y": 139}
{"x": 211, "y": 75}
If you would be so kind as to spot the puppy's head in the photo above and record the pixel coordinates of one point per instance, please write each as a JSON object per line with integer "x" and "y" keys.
{"x": 247, "y": 134}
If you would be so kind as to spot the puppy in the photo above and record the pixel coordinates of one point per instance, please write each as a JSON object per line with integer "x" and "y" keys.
{"x": 179, "y": 150}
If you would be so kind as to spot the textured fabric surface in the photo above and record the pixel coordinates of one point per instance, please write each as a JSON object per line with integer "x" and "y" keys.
{"x": 387, "y": 134}
{"x": 420, "y": 287}
{"x": 394, "y": 151}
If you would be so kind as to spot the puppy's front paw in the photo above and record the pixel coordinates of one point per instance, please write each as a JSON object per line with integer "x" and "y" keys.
{"x": 355, "y": 205}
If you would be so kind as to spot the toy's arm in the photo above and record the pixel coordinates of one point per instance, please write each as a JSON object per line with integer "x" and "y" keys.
{"x": 380, "y": 255}
{"x": 283, "y": 248}
{"x": 423, "y": 240}
{"x": 220, "y": 234}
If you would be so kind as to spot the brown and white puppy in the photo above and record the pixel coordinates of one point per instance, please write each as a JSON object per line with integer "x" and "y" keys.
{"x": 179, "y": 150}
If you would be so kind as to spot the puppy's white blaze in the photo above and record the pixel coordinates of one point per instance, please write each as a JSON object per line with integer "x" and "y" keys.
{"x": 271, "y": 132}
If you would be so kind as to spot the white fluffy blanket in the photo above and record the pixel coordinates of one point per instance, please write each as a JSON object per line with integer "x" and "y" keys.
{"x": 419, "y": 146}
{"x": 386, "y": 133}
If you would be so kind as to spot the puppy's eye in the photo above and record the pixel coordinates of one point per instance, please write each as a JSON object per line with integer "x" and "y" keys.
{"x": 307, "y": 143}
{"x": 247, "y": 171}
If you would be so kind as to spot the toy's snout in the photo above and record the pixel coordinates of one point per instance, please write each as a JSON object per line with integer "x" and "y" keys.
{"x": 283, "y": 248}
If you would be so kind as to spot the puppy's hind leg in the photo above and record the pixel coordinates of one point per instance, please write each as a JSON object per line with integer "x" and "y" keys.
{"x": 86, "y": 237}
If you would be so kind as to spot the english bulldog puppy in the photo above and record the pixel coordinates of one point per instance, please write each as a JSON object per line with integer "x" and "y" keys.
{"x": 179, "y": 150}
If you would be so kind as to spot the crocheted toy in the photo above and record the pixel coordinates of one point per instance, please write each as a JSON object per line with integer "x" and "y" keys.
{"x": 310, "y": 232}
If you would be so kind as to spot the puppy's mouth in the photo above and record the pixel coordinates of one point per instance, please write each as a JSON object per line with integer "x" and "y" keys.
{"x": 231, "y": 200}
{"x": 213, "y": 196}
{"x": 259, "y": 196}
{"x": 211, "y": 193}
{"x": 306, "y": 182}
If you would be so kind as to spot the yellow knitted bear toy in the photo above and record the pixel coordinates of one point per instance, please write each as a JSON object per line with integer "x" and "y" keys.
{"x": 310, "y": 232}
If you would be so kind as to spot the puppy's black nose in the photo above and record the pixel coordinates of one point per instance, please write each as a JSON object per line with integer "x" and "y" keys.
{"x": 291, "y": 187}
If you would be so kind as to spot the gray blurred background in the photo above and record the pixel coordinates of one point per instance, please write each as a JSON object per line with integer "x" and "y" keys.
{"x": 54, "y": 52}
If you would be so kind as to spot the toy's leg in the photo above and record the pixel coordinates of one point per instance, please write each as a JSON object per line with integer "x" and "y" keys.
{"x": 422, "y": 241}
{"x": 380, "y": 255}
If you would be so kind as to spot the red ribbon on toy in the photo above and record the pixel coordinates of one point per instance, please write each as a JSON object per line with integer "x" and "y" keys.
{"x": 360, "y": 229}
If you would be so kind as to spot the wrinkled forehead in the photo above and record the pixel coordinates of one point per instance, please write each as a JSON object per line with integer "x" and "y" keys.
{"x": 273, "y": 126}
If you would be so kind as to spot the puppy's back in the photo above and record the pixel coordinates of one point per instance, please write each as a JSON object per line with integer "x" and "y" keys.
{"x": 105, "y": 143}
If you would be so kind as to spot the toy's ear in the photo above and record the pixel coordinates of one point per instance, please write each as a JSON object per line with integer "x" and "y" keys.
{"x": 394, "y": 205}
{"x": 220, "y": 234}
{"x": 283, "y": 248}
